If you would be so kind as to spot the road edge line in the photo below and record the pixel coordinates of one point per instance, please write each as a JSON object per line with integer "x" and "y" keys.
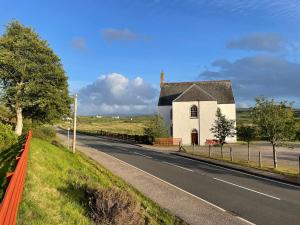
{"x": 172, "y": 185}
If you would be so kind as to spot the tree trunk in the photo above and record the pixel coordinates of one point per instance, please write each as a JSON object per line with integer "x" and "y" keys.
{"x": 248, "y": 152}
{"x": 222, "y": 151}
{"x": 274, "y": 156}
{"x": 19, "y": 123}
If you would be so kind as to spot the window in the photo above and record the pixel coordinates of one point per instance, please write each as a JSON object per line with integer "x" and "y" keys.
{"x": 194, "y": 111}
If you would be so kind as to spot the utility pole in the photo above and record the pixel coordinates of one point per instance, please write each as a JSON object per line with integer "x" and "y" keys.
{"x": 74, "y": 123}
{"x": 68, "y": 137}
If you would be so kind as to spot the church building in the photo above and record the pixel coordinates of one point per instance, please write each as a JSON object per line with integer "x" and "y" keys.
{"x": 189, "y": 108}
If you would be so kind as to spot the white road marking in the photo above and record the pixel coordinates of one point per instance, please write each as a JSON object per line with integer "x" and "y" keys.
{"x": 236, "y": 185}
{"x": 237, "y": 171}
{"x": 195, "y": 196}
{"x": 178, "y": 166}
{"x": 143, "y": 155}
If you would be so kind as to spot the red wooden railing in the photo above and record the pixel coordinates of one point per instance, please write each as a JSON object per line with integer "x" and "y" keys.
{"x": 10, "y": 203}
{"x": 167, "y": 141}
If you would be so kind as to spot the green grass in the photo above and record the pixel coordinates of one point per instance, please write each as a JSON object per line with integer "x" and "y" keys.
{"x": 284, "y": 170}
{"x": 124, "y": 125}
{"x": 50, "y": 196}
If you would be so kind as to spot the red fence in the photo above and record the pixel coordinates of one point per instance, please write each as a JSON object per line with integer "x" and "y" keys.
{"x": 10, "y": 204}
{"x": 167, "y": 141}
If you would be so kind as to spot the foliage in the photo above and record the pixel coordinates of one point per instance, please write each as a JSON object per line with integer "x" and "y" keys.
{"x": 7, "y": 137}
{"x": 156, "y": 128}
{"x": 113, "y": 206}
{"x": 32, "y": 76}
{"x": 246, "y": 133}
{"x": 275, "y": 120}
{"x": 45, "y": 132}
{"x": 222, "y": 127}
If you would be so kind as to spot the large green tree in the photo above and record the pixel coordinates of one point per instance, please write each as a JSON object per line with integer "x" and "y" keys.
{"x": 275, "y": 121}
{"x": 223, "y": 128}
{"x": 32, "y": 77}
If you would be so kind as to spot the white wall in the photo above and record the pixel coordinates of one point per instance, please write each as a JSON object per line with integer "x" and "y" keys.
{"x": 207, "y": 118}
{"x": 164, "y": 112}
{"x": 229, "y": 110}
{"x": 183, "y": 124}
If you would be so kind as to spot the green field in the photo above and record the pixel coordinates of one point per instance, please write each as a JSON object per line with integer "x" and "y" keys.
{"x": 136, "y": 126}
{"x": 124, "y": 125}
{"x": 53, "y": 191}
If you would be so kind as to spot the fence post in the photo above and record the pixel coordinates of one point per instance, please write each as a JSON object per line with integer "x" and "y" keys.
{"x": 260, "y": 160}
{"x": 179, "y": 145}
{"x": 209, "y": 151}
{"x": 231, "y": 155}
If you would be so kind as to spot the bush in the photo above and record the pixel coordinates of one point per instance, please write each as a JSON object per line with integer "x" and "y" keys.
{"x": 113, "y": 206}
{"x": 7, "y": 137}
{"x": 45, "y": 132}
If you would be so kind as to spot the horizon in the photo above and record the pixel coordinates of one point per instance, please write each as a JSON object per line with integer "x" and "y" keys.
{"x": 113, "y": 52}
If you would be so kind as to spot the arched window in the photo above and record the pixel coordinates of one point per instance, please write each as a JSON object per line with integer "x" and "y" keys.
{"x": 194, "y": 111}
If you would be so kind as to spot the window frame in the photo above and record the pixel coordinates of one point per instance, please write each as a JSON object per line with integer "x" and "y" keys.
{"x": 192, "y": 112}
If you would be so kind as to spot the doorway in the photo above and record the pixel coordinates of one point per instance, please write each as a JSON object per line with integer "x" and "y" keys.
{"x": 194, "y": 137}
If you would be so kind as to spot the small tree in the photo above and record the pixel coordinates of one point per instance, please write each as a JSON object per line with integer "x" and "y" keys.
{"x": 247, "y": 134}
{"x": 222, "y": 128}
{"x": 156, "y": 128}
{"x": 275, "y": 121}
{"x": 32, "y": 78}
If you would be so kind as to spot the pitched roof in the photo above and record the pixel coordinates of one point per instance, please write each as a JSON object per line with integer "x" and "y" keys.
{"x": 220, "y": 90}
{"x": 194, "y": 93}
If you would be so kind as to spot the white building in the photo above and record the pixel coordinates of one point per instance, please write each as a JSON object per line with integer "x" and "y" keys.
{"x": 189, "y": 108}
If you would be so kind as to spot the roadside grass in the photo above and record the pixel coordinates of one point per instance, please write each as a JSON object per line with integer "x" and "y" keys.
{"x": 124, "y": 125}
{"x": 52, "y": 193}
{"x": 284, "y": 170}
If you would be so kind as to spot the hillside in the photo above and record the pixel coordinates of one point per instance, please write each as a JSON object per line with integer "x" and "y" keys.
{"x": 56, "y": 186}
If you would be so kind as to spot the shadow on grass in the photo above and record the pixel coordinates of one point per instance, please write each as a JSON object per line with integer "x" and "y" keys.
{"x": 8, "y": 163}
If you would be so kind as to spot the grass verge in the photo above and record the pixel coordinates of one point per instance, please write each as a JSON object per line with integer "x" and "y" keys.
{"x": 283, "y": 170}
{"x": 50, "y": 196}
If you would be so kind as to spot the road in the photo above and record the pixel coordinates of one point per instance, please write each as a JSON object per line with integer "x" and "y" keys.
{"x": 257, "y": 200}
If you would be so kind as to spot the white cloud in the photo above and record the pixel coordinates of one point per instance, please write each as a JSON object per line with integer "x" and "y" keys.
{"x": 116, "y": 94}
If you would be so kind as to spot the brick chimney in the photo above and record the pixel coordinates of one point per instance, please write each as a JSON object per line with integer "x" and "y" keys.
{"x": 162, "y": 78}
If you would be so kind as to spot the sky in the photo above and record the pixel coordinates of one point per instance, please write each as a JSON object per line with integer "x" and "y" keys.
{"x": 113, "y": 51}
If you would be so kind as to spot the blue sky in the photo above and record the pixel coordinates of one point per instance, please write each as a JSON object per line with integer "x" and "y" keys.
{"x": 120, "y": 46}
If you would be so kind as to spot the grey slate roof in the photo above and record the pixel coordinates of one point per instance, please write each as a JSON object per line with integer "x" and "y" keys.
{"x": 220, "y": 90}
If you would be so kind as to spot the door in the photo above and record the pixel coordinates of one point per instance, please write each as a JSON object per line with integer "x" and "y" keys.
{"x": 194, "y": 137}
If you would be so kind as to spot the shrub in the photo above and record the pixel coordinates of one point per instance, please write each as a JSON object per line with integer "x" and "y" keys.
{"x": 7, "y": 137}
{"x": 45, "y": 132}
{"x": 113, "y": 206}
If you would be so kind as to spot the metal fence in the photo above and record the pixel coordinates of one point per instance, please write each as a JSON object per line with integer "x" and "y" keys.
{"x": 10, "y": 203}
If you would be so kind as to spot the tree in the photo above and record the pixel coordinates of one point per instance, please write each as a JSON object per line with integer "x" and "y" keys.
{"x": 222, "y": 128}
{"x": 275, "y": 121}
{"x": 247, "y": 134}
{"x": 156, "y": 128}
{"x": 31, "y": 76}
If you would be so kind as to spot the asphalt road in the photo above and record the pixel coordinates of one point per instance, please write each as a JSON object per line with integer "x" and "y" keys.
{"x": 257, "y": 200}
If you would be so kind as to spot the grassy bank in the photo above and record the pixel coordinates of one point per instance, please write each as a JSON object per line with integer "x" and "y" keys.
{"x": 52, "y": 196}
